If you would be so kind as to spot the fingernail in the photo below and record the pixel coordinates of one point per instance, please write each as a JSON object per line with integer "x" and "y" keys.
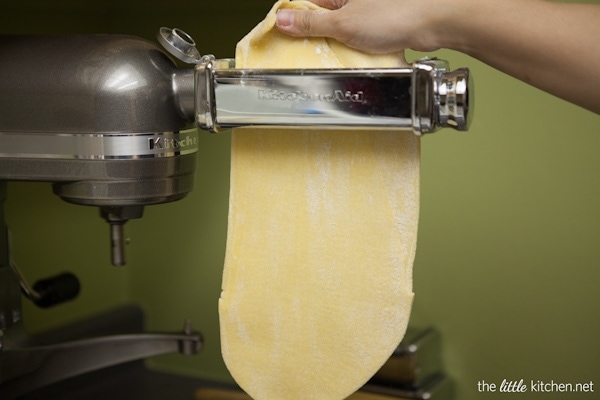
{"x": 285, "y": 18}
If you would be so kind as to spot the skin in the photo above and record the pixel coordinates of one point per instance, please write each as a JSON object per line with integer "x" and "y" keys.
{"x": 553, "y": 46}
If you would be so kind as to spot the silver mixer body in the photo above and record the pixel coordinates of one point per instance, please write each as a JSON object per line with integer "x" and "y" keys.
{"x": 100, "y": 117}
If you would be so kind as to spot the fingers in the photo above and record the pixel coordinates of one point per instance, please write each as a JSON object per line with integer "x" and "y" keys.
{"x": 303, "y": 23}
{"x": 330, "y": 4}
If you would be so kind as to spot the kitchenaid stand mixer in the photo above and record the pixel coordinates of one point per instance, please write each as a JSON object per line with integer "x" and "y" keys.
{"x": 99, "y": 117}
{"x": 104, "y": 119}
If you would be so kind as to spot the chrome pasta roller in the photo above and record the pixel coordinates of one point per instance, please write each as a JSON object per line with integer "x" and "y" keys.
{"x": 421, "y": 98}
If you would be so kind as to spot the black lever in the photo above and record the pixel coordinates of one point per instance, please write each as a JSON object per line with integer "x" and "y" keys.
{"x": 55, "y": 290}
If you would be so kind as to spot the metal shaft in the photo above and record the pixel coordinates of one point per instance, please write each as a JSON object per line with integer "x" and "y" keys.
{"x": 117, "y": 243}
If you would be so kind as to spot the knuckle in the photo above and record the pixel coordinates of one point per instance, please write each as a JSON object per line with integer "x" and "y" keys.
{"x": 342, "y": 26}
{"x": 305, "y": 23}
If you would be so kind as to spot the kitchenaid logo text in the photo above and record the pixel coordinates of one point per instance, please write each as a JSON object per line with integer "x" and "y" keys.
{"x": 164, "y": 143}
{"x": 336, "y": 96}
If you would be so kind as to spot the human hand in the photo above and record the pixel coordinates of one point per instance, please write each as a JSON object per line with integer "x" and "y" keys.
{"x": 373, "y": 26}
{"x": 518, "y": 37}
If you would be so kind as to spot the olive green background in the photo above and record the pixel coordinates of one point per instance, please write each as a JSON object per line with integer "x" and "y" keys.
{"x": 508, "y": 260}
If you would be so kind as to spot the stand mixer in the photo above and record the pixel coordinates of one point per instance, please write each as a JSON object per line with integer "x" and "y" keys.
{"x": 104, "y": 119}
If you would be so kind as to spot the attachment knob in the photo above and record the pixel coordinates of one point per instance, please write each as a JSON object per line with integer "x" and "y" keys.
{"x": 179, "y": 44}
{"x": 454, "y": 94}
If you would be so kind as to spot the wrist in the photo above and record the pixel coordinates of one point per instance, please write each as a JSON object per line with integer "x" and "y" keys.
{"x": 451, "y": 22}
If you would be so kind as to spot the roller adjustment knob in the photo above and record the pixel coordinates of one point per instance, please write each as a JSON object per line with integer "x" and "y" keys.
{"x": 454, "y": 98}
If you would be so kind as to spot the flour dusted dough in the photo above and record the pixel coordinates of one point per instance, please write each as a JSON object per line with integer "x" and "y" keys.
{"x": 317, "y": 286}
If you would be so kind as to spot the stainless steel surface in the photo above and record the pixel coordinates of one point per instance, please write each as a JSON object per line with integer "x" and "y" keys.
{"x": 422, "y": 98}
{"x": 312, "y": 97}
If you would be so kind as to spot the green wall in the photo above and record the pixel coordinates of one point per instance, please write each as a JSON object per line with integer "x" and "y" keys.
{"x": 508, "y": 261}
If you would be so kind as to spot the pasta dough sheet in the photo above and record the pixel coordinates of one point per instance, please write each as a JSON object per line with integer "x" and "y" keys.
{"x": 317, "y": 285}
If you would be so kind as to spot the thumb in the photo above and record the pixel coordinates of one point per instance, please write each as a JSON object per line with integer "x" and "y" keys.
{"x": 303, "y": 23}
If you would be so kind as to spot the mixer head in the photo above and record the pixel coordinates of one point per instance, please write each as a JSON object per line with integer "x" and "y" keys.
{"x": 102, "y": 117}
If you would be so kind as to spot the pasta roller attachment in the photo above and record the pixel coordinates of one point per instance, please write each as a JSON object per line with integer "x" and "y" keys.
{"x": 423, "y": 97}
